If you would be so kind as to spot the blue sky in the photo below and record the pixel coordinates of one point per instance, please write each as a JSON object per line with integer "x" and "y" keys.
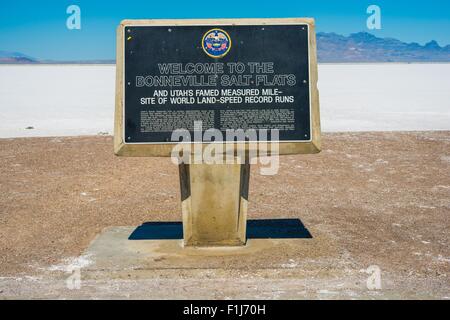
{"x": 38, "y": 28}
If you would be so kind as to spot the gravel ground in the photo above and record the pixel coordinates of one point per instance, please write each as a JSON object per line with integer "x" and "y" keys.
{"x": 368, "y": 199}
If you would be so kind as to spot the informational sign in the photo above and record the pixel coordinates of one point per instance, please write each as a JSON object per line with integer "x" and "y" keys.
{"x": 223, "y": 75}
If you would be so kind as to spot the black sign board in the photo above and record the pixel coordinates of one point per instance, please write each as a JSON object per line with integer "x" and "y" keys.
{"x": 227, "y": 77}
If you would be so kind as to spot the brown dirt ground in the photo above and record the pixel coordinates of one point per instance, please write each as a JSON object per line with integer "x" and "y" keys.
{"x": 383, "y": 197}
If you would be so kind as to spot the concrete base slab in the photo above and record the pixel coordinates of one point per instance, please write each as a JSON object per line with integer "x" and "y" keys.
{"x": 113, "y": 251}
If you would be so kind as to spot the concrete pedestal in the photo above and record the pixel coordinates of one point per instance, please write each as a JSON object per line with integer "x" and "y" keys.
{"x": 214, "y": 204}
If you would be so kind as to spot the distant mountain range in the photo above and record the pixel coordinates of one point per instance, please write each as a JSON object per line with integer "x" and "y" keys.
{"x": 7, "y": 57}
{"x": 15, "y": 57}
{"x": 331, "y": 47}
{"x": 365, "y": 47}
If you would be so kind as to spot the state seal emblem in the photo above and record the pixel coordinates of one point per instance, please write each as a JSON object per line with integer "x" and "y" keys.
{"x": 216, "y": 43}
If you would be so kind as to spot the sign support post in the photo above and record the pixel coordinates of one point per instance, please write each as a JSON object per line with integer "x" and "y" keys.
{"x": 214, "y": 203}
